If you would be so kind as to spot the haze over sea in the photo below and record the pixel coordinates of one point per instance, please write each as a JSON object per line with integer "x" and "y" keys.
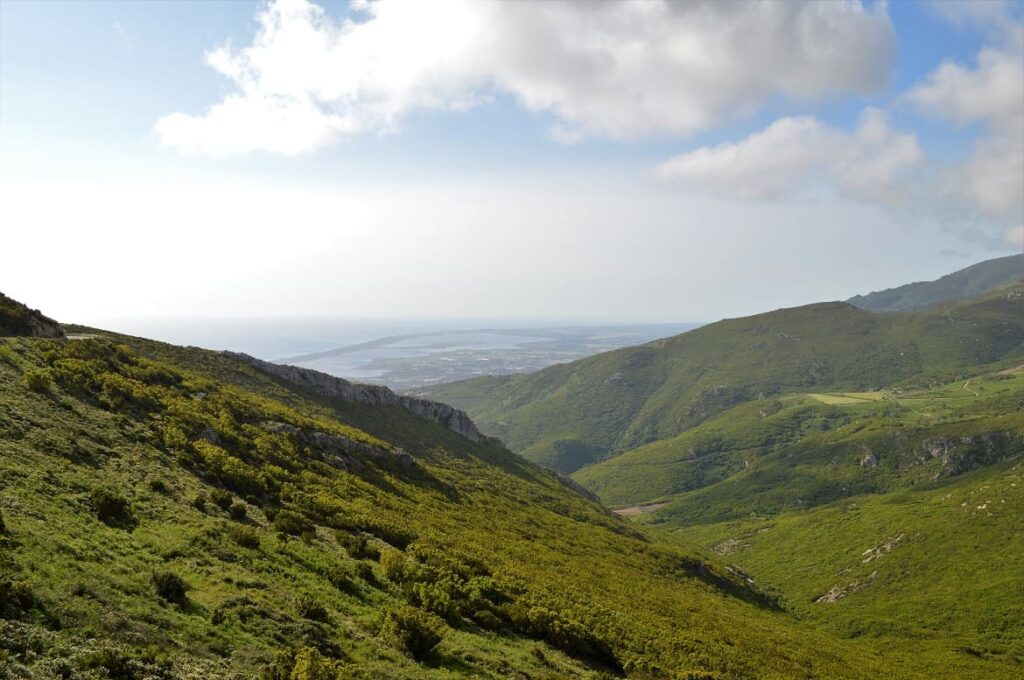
{"x": 403, "y": 353}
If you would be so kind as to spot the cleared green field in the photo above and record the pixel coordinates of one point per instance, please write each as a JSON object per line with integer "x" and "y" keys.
{"x": 843, "y": 398}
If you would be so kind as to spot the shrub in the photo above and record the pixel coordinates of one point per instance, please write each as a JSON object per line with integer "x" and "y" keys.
{"x": 365, "y": 572}
{"x": 16, "y": 599}
{"x": 37, "y": 380}
{"x": 111, "y": 508}
{"x": 394, "y": 565}
{"x": 157, "y": 485}
{"x": 199, "y": 502}
{"x": 3, "y": 527}
{"x": 357, "y": 546}
{"x": 309, "y": 607}
{"x": 292, "y": 523}
{"x": 244, "y": 536}
{"x": 340, "y": 577}
{"x": 169, "y": 586}
{"x": 411, "y": 630}
{"x": 237, "y": 511}
{"x": 221, "y": 498}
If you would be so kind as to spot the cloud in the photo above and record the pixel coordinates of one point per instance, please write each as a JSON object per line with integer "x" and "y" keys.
{"x": 619, "y": 70}
{"x": 989, "y": 94}
{"x": 873, "y": 163}
{"x": 981, "y": 196}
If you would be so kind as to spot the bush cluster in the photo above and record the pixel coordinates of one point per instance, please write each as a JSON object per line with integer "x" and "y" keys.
{"x": 411, "y": 630}
{"x": 169, "y": 586}
{"x": 244, "y": 536}
{"x": 111, "y": 508}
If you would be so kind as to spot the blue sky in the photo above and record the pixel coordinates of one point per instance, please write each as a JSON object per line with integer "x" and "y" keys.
{"x": 84, "y": 86}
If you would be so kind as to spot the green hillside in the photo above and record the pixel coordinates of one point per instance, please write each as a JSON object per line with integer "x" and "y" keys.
{"x": 170, "y": 512}
{"x": 573, "y": 415}
{"x": 969, "y": 282}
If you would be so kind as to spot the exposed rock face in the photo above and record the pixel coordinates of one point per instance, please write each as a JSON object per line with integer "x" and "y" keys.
{"x": 345, "y": 453}
{"x": 869, "y": 460}
{"x": 329, "y": 386}
{"x": 18, "y": 320}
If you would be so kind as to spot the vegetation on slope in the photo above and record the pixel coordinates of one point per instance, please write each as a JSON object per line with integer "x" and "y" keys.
{"x": 569, "y": 416}
{"x": 170, "y": 512}
{"x": 978, "y": 279}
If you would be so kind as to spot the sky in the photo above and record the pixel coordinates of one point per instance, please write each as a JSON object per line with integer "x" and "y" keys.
{"x": 611, "y": 161}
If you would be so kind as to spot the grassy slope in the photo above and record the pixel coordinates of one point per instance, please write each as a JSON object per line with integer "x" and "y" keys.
{"x": 950, "y": 581}
{"x": 571, "y": 590}
{"x": 575, "y": 414}
{"x": 969, "y": 282}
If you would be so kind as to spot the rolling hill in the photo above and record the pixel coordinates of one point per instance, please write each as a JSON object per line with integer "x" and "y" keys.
{"x": 969, "y": 282}
{"x": 866, "y": 469}
{"x": 170, "y": 512}
{"x": 572, "y": 415}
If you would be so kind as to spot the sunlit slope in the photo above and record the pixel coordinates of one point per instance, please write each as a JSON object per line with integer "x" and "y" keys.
{"x": 171, "y": 512}
{"x": 923, "y": 570}
{"x": 802, "y": 449}
{"x": 575, "y": 414}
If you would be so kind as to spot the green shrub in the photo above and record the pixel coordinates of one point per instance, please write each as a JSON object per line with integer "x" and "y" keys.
{"x": 169, "y": 586}
{"x": 309, "y": 607}
{"x": 221, "y": 498}
{"x": 199, "y": 502}
{"x": 111, "y": 508}
{"x": 292, "y": 523}
{"x": 37, "y": 380}
{"x": 3, "y": 527}
{"x": 244, "y": 536}
{"x": 16, "y": 599}
{"x": 340, "y": 576}
{"x": 393, "y": 563}
{"x": 365, "y": 572}
{"x": 238, "y": 511}
{"x": 411, "y": 630}
{"x": 158, "y": 485}
{"x": 357, "y": 546}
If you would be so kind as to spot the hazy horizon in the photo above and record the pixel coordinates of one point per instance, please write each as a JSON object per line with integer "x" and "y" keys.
{"x": 626, "y": 161}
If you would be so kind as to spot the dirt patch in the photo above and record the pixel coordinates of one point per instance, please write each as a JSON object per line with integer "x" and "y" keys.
{"x": 636, "y": 510}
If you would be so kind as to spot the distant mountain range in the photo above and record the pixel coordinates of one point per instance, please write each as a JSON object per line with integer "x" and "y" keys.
{"x": 969, "y": 282}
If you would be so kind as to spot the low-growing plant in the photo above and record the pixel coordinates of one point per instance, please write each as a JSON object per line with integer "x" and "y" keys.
{"x": 309, "y": 607}
{"x": 291, "y": 523}
{"x": 111, "y": 508}
{"x": 244, "y": 536}
{"x": 158, "y": 485}
{"x": 358, "y": 546}
{"x": 238, "y": 511}
{"x": 221, "y": 498}
{"x": 37, "y": 380}
{"x": 411, "y": 630}
{"x": 199, "y": 502}
{"x": 169, "y": 586}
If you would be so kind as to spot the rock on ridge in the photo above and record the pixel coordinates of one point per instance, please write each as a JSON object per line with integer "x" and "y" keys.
{"x": 330, "y": 386}
{"x": 17, "y": 319}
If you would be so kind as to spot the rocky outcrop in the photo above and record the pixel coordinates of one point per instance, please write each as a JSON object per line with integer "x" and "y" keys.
{"x": 345, "y": 453}
{"x": 330, "y": 386}
{"x": 18, "y": 320}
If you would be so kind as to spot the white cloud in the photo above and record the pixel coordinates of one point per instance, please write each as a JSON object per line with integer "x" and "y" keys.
{"x": 872, "y": 163}
{"x": 612, "y": 69}
{"x": 989, "y": 94}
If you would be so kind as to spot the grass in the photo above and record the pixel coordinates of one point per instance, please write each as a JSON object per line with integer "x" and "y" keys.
{"x": 573, "y": 415}
{"x": 526, "y": 576}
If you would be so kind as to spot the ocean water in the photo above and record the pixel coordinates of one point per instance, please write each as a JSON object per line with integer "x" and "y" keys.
{"x": 405, "y": 354}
